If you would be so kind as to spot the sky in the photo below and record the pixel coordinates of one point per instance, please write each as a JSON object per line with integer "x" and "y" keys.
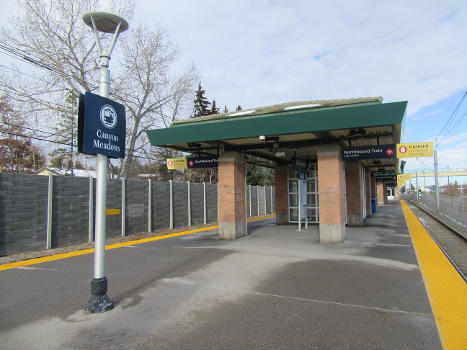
{"x": 262, "y": 52}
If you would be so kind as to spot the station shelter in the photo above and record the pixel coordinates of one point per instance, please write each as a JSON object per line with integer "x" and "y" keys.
{"x": 304, "y": 142}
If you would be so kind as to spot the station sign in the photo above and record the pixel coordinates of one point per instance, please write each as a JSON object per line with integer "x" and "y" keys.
{"x": 369, "y": 152}
{"x": 387, "y": 178}
{"x": 101, "y": 126}
{"x": 415, "y": 150}
{"x": 176, "y": 163}
{"x": 202, "y": 162}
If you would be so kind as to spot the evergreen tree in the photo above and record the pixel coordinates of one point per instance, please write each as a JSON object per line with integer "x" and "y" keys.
{"x": 200, "y": 103}
{"x": 226, "y": 110}
{"x": 239, "y": 108}
{"x": 214, "y": 109}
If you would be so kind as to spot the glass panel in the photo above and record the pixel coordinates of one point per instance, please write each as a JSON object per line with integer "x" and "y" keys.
{"x": 293, "y": 186}
{"x": 293, "y": 214}
{"x": 311, "y": 200}
{"x": 293, "y": 200}
{"x": 313, "y": 215}
{"x": 311, "y": 185}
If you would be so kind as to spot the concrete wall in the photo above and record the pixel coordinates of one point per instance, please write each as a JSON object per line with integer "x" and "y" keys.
{"x": 23, "y": 209}
{"x": 23, "y": 213}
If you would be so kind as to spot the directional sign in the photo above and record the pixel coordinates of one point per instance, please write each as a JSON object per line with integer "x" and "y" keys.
{"x": 176, "y": 163}
{"x": 202, "y": 162}
{"x": 369, "y": 152}
{"x": 101, "y": 126}
{"x": 415, "y": 150}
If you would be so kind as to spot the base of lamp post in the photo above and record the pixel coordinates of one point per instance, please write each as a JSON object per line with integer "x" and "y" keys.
{"x": 99, "y": 301}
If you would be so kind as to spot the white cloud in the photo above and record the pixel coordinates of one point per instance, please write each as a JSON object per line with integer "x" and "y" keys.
{"x": 460, "y": 139}
{"x": 264, "y": 52}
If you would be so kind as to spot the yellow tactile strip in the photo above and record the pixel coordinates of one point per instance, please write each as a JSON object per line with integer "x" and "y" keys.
{"x": 446, "y": 289}
{"x": 112, "y": 246}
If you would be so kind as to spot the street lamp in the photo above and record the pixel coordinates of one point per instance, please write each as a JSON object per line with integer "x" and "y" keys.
{"x": 106, "y": 23}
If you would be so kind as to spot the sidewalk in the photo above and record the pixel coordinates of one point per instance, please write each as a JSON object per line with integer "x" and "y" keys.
{"x": 277, "y": 288}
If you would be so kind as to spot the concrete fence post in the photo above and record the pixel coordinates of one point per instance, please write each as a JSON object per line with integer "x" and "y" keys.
{"x": 171, "y": 204}
{"x": 204, "y": 204}
{"x": 265, "y": 199}
{"x": 272, "y": 200}
{"x": 91, "y": 210}
{"x": 189, "y": 202}
{"x": 249, "y": 196}
{"x": 149, "y": 205}
{"x": 49, "y": 211}
{"x": 123, "y": 213}
{"x": 257, "y": 198}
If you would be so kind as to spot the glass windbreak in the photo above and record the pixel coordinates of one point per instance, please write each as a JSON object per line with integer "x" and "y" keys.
{"x": 293, "y": 214}
{"x": 308, "y": 201}
{"x": 312, "y": 199}
{"x": 311, "y": 185}
{"x": 293, "y": 200}
{"x": 312, "y": 214}
{"x": 293, "y": 186}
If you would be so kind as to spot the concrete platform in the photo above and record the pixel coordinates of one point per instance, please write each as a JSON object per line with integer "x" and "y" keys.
{"x": 277, "y": 288}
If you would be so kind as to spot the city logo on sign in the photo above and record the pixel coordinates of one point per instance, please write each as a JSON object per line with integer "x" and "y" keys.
{"x": 389, "y": 152}
{"x": 170, "y": 163}
{"x": 191, "y": 163}
{"x": 402, "y": 149}
{"x": 108, "y": 116}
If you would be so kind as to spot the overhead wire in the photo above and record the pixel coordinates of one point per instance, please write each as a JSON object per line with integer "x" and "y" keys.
{"x": 65, "y": 144}
{"x": 453, "y": 127}
{"x": 450, "y": 117}
{"x": 19, "y": 54}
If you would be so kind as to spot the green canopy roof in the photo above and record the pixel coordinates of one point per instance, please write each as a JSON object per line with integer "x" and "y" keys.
{"x": 293, "y": 119}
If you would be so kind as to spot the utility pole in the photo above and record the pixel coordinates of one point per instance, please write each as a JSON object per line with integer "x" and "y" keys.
{"x": 435, "y": 158}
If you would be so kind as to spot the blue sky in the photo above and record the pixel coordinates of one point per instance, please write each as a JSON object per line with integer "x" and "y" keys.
{"x": 257, "y": 53}
{"x": 263, "y": 52}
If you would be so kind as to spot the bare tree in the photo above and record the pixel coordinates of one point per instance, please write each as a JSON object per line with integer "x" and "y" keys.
{"x": 17, "y": 153}
{"x": 52, "y": 36}
{"x": 152, "y": 95}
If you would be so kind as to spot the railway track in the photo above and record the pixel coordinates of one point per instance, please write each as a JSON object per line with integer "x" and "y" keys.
{"x": 453, "y": 244}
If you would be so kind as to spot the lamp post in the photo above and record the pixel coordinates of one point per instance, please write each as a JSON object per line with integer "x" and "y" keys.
{"x": 106, "y": 23}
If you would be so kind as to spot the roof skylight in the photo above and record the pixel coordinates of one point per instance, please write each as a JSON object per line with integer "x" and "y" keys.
{"x": 302, "y": 106}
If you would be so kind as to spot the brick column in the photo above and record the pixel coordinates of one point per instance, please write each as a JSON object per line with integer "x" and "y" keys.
{"x": 354, "y": 193}
{"x": 368, "y": 191}
{"x": 396, "y": 193}
{"x": 281, "y": 200}
{"x": 231, "y": 196}
{"x": 381, "y": 193}
{"x": 373, "y": 186}
{"x": 331, "y": 179}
